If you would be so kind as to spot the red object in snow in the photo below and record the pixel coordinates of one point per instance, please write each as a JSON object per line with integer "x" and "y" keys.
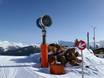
{"x": 44, "y": 55}
{"x": 57, "y": 69}
{"x": 81, "y": 45}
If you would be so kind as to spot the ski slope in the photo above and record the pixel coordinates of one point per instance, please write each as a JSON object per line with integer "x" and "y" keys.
{"x": 29, "y": 67}
{"x": 16, "y": 67}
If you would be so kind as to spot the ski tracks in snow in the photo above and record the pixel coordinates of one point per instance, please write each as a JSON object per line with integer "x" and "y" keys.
{"x": 18, "y": 71}
{"x": 7, "y": 72}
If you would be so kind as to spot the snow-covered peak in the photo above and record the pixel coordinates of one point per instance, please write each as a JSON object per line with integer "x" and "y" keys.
{"x": 66, "y": 43}
{"x": 6, "y": 44}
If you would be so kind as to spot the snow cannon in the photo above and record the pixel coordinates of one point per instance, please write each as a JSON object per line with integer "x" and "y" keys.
{"x": 43, "y": 23}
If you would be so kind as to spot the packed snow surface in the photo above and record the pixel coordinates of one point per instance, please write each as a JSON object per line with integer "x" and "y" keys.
{"x": 29, "y": 67}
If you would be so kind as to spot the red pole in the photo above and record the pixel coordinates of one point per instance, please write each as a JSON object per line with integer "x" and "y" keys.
{"x": 44, "y": 55}
{"x": 44, "y": 50}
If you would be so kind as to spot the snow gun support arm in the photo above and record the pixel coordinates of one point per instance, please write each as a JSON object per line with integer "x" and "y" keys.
{"x": 44, "y": 36}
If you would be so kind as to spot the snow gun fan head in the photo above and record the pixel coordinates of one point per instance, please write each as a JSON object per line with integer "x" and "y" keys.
{"x": 44, "y": 21}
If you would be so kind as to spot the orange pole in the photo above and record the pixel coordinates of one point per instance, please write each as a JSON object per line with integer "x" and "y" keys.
{"x": 44, "y": 55}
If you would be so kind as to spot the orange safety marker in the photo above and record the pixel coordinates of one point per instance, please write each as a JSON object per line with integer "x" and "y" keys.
{"x": 57, "y": 69}
{"x": 44, "y": 55}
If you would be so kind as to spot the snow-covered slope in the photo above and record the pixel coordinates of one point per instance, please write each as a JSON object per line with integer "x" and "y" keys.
{"x": 90, "y": 58}
{"x": 93, "y": 67}
{"x": 29, "y": 67}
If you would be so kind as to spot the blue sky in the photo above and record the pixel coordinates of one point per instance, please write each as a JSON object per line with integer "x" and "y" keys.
{"x": 71, "y": 19}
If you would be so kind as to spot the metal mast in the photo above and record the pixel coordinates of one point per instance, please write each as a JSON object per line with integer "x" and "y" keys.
{"x": 94, "y": 37}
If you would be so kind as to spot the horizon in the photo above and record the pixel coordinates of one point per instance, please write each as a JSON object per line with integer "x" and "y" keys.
{"x": 6, "y": 41}
{"x": 71, "y": 19}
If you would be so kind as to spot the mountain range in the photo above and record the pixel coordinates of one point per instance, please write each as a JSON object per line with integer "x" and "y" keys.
{"x": 15, "y": 48}
{"x": 99, "y": 44}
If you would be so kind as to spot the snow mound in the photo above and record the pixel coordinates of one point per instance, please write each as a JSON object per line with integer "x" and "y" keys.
{"x": 90, "y": 58}
{"x": 88, "y": 55}
{"x": 35, "y": 57}
{"x": 93, "y": 67}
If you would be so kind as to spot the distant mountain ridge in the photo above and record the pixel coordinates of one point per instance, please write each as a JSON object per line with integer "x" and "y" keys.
{"x": 6, "y": 45}
{"x": 23, "y": 51}
{"x": 17, "y": 49}
{"x": 66, "y": 43}
{"x": 99, "y": 44}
